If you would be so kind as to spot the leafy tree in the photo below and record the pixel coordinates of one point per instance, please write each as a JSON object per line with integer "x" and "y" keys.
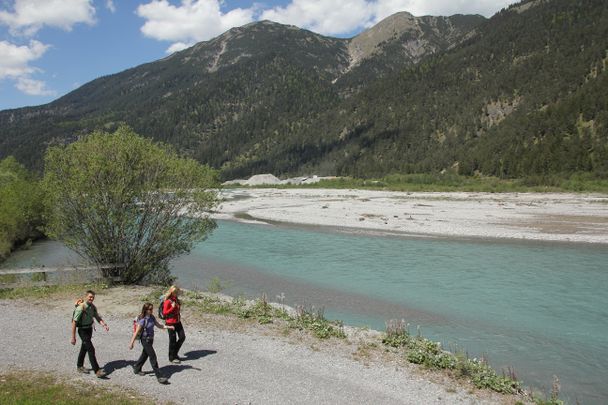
{"x": 20, "y": 205}
{"x": 118, "y": 198}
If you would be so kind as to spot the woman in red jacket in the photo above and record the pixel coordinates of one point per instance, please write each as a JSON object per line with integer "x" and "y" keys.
{"x": 171, "y": 311}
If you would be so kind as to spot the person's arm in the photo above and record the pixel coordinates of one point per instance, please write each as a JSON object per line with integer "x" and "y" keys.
{"x": 78, "y": 313}
{"x": 161, "y": 326}
{"x": 73, "y": 339}
{"x": 135, "y": 334}
{"x": 104, "y": 324}
{"x": 100, "y": 320}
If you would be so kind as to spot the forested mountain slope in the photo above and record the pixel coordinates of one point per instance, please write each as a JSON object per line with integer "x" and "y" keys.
{"x": 224, "y": 99}
{"x": 522, "y": 93}
{"x": 526, "y": 95}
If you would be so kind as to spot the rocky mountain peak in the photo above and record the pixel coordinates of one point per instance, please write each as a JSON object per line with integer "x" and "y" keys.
{"x": 365, "y": 44}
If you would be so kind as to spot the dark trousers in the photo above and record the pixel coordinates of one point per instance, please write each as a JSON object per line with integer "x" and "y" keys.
{"x": 87, "y": 347}
{"x": 174, "y": 343}
{"x": 147, "y": 352}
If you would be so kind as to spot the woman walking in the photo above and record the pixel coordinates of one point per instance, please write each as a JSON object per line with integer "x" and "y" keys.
{"x": 145, "y": 331}
{"x": 171, "y": 311}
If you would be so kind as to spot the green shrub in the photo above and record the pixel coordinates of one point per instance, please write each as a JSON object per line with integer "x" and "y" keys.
{"x": 396, "y": 334}
{"x": 419, "y": 350}
{"x": 215, "y": 285}
{"x": 483, "y": 376}
{"x": 315, "y": 322}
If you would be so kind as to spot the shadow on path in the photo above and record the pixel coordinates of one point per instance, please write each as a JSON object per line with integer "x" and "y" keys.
{"x": 117, "y": 365}
{"x": 168, "y": 371}
{"x": 198, "y": 354}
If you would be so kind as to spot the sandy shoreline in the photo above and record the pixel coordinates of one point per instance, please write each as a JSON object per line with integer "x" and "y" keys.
{"x": 516, "y": 216}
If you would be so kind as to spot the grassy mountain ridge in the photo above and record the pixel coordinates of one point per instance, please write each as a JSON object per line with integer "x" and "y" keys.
{"x": 521, "y": 93}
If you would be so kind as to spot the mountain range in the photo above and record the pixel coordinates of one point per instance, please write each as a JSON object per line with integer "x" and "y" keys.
{"x": 522, "y": 93}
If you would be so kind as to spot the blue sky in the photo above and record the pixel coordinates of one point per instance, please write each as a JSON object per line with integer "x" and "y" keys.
{"x": 50, "y": 47}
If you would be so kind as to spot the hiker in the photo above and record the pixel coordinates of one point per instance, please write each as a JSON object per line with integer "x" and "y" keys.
{"x": 84, "y": 315}
{"x": 145, "y": 331}
{"x": 171, "y": 311}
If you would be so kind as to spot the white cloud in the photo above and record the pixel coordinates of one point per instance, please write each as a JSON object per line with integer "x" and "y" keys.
{"x": 344, "y": 17}
{"x": 33, "y": 87}
{"x": 15, "y": 64}
{"x": 325, "y": 17}
{"x": 14, "y": 59}
{"x": 384, "y": 8}
{"x": 198, "y": 20}
{"x": 178, "y": 46}
{"x": 110, "y": 6}
{"x": 29, "y": 16}
{"x": 190, "y": 22}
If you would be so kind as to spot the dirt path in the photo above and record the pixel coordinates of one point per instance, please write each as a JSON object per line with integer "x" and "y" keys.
{"x": 224, "y": 365}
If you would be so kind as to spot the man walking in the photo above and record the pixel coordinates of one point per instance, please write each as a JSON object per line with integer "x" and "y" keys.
{"x": 84, "y": 315}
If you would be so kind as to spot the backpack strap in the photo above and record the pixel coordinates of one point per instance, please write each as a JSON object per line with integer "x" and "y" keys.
{"x": 144, "y": 329}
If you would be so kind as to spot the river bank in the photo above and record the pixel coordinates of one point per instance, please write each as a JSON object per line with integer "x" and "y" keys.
{"x": 558, "y": 217}
{"x": 227, "y": 359}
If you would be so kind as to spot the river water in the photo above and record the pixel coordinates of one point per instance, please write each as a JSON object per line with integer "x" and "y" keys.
{"x": 539, "y": 308}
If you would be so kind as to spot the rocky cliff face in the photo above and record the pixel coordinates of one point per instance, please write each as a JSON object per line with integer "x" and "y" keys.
{"x": 398, "y": 41}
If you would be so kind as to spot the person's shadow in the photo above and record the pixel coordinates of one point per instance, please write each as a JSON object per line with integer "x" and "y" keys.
{"x": 117, "y": 365}
{"x": 198, "y": 354}
{"x": 171, "y": 369}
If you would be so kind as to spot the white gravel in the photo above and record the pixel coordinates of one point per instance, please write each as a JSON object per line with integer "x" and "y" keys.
{"x": 222, "y": 367}
{"x": 563, "y": 217}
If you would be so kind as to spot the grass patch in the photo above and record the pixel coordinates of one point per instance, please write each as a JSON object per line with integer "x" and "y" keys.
{"x": 8, "y": 278}
{"x": 39, "y": 388}
{"x": 154, "y": 295}
{"x": 49, "y": 290}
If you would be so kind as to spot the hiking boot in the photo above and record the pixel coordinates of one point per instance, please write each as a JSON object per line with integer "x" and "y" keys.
{"x": 83, "y": 370}
{"x": 138, "y": 372}
{"x": 101, "y": 373}
{"x": 163, "y": 380}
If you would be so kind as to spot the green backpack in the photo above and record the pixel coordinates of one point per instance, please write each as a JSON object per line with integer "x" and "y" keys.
{"x": 79, "y": 302}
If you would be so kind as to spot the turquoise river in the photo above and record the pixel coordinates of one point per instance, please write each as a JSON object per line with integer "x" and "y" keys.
{"x": 539, "y": 308}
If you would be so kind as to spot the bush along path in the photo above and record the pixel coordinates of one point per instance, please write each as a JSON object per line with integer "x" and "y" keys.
{"x": 240, "y": 352}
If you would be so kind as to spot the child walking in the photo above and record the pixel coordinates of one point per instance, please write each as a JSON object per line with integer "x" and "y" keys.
{"x": 145, "y": 331}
